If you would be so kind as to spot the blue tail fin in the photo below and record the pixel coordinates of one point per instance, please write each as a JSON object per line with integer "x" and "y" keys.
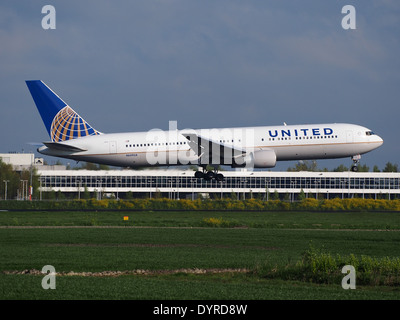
{"x": 61, "y": 121}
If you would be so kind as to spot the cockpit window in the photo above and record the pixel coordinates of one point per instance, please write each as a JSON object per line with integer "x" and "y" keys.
{"x": 369, "y": 133}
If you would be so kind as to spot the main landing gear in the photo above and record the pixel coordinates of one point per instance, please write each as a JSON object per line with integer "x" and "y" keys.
{"x": 356, "y": 161}
{"x": 209, "y": 175}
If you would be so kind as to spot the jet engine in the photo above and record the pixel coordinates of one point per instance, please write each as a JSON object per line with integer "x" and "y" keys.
{"x": 264, "y": 159}
{"x": 257, "y": 159}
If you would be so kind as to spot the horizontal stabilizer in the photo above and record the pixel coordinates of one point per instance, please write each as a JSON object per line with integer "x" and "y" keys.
{"x": 62, "y": 147}
{"x": 35, "y": 144}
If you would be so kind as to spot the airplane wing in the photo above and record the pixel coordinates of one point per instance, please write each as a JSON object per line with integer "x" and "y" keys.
{"x": 211, "y": 151}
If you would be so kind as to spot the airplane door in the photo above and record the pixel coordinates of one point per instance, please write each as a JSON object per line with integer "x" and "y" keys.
{"x": 113, "y": 146}
{"x": 349, "y": 136}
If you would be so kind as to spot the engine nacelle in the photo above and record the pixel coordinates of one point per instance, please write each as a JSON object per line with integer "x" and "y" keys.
{"x": 264, "y": 159}
{"x": 257, "y": 159}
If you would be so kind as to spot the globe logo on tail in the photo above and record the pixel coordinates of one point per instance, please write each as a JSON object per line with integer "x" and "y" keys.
{"x": 67, "y": 125}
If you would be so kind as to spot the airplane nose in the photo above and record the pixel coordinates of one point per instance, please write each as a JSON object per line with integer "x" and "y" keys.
{"x": 380, "y": 140}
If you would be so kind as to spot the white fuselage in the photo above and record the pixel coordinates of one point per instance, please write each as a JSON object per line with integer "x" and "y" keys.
{"x": 157, "y": 148}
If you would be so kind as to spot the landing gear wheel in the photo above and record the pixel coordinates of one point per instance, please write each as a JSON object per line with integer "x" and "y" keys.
{"x": 199, "y": 175}
{"x": 209, "y": 176}
{"x": 356, "y": 161}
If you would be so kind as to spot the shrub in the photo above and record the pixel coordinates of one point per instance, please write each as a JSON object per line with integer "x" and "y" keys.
{"x": 310, "y": 204}
{"x": 215, "y": 222}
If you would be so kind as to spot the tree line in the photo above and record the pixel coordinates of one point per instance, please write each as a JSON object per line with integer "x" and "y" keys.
{"x": 16, "y": 184}
{"x": 313, "y": 166}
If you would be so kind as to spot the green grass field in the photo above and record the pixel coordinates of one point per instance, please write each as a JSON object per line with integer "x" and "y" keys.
{"x": 186, "y": 255}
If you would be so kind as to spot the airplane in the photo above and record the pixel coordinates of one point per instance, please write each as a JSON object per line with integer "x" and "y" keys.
{"x": 252, "y": 147}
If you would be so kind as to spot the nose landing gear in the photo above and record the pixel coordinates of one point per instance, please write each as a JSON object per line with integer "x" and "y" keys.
{"x": 356, "y": 161}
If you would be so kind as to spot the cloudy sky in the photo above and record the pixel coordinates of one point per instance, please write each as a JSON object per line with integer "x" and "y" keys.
{"x": 135, "y": 65}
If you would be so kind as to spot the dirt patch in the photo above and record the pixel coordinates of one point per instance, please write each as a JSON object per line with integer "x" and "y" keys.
{"x": 129, "y": 272}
